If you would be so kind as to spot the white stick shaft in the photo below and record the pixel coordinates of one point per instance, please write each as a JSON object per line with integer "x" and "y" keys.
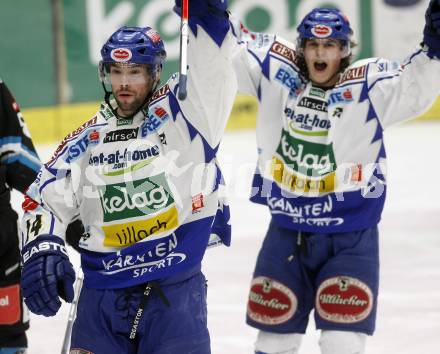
{"x": 184, "y": 48}
{"x": 184, "y": 37}
{"x": 72, "y": 314}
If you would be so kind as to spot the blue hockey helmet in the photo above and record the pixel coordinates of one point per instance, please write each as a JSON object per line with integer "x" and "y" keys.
{"x": 134, "y": 45}
{"x": 323, "y": 23}
{"x": 128, "y": 47}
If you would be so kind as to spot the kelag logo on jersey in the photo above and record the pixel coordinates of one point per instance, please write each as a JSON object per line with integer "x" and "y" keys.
{"x": 308, "y": 158}
{"x": 132, "y": 199}
{"x": 154, "y": 121}
{"x": 121, "y": 135}
{"x": 300, "y": 159}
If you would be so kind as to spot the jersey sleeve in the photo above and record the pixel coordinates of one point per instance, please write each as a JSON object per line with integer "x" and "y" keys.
{"x": 251, "y": 57}
{"x": 401, "y": 92}
{"x": 50, "y": 203}
{"x": 211, "y": 84}
{"x": 17, "y": 152}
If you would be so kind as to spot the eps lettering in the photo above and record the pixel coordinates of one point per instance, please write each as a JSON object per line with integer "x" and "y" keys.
{"x": 289, "y": 79}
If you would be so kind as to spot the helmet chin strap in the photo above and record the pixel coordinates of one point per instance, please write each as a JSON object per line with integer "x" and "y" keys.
{"x": 141, "y": 106}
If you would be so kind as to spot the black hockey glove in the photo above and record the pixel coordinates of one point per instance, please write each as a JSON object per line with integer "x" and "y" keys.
{"x": 74, "y": 232}
{"x": 8, "y": 217}
{"x": 47, "y": 275}
{"x": 431, "y": 32}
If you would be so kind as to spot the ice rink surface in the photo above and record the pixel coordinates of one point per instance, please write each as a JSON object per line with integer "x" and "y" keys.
{"x": 409, "y": 301}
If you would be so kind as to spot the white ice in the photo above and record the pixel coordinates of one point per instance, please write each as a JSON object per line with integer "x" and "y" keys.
{"x": 408, "y": 319}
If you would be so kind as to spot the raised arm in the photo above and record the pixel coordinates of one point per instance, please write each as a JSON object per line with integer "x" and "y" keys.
{"x": 408, "y": 90}
{"x": 251, "y": 52}
{"x": 211, "y": 80}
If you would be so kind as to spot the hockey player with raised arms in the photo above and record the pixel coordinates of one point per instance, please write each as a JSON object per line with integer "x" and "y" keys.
{"x": 321, "y": 171}
{"x": 143, "y": 177}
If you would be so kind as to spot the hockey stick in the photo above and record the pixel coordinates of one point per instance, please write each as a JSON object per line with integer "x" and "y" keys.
{"x": 184, "y": 34}
{"x": 72, "y": 314}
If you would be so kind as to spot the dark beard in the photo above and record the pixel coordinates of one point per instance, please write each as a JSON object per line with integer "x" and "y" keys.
{"x": 131, "y": 107}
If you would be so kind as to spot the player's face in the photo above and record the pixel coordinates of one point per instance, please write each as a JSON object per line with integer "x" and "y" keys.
{"x": 131, "y": 85}
{"x": 323, "y": 60}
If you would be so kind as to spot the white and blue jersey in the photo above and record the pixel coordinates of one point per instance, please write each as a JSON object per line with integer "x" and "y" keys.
{"x": 147, "y": 189}
{"x": 322, "y": 160}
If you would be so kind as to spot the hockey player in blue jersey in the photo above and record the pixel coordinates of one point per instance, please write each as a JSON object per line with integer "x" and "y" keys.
{"x": 142, "y": 175}
{"x": 321, "y": 171}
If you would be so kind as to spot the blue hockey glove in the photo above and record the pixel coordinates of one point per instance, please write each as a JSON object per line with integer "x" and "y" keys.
{"x": 431, "y": 33}
{"x": 201, "y": 7}
{"x": 47, "y": 275}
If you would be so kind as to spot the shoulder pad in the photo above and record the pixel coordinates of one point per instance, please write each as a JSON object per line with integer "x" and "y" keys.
{"x": 81, "y": 128}
{"x": 356, "y": 71}
{"x": 282, "y": 48}
{"x": 161, "y": 92}
{"x": 70, "y": 137}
